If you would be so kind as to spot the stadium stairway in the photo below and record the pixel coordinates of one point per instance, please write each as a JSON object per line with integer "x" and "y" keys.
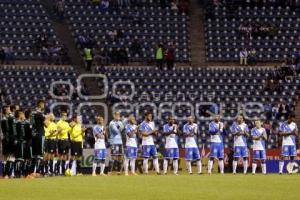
{"x": 197, "y": 34}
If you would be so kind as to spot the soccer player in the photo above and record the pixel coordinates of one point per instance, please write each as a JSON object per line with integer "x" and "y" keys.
{"x": 190, "y": 131}
{"x": 38, "y": 133}
{"x": 63, "y": 130}
{"x": 170, "y": 131}
{"x": 259, "y": 136}
{"x": 19, "y": 143}
{"x": 5, "y": 140}
{"x": 99, "y": 132}
{"x": 116, "y": 127}
{"x": 131, "y": 131}
{"x": 216, "y": 129}
{"x": 240, "y": 131}
{"x": 27, "y": 145}
{"x": 77, "y": 135}
{"x": 289, "y": 131}
{"x": 147, "y": 130}
{"x": 50, "y": 142}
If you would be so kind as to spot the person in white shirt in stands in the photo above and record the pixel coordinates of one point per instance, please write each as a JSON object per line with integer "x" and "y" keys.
{"x": 288, "y": 130}
{"x": 244, "y": 57}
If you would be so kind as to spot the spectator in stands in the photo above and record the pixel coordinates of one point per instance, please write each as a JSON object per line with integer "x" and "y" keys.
{"x": 9, "y": 55}
{"x": 252, "y": 57}
{"x": 170, "y": 56}
{"x": 183, "y": 6}
{"x": 89, "y": 57}
{"x": 136, "y": 48}
{"x": 104, "y": 5}
{"x": 2, "y": 55}
{"x": 159, "y": 56}
{"x": 112, "y": 34}
{"x": 60, "y": 7}
{"x": 123, "y": 57}
{"x": 244, "y": 57}
{"x": 174, "y": 6}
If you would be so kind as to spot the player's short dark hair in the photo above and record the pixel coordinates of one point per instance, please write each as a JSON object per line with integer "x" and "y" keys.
{"x": 12, "y": 108}
{"x": 147, "y": 113}
{"x": 74, "y": 117}
{"x": 292, "y": 115}
{"x": 4, "y": 108}
{"x": 40, "y": 101}
{"x": 27, "y": 113}
{"x": 63, "y": 112}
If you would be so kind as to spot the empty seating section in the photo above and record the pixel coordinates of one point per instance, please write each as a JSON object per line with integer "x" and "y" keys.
{"x": 203, "y": 85}
{"x": 149, "y": 25}
{"x": 272, "y": 31}
{"x": 21, "y": 22}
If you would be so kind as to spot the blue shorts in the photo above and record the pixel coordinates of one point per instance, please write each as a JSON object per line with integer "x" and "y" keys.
{"x": 149, "y": 151}
{"x": 172, "y": 153}
{"x": 240, "y": 152}
{"x": 259, "y": 155}
{"x": 192, "y": 154}
{"x": 288, "y": 150}
{"x": 100, "y": 154}
{"x": 131, "y": 152}
{"x": 216, "y": 150}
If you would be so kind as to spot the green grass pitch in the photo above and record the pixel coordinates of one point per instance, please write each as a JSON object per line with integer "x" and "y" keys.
{"x": 154, "y": 187}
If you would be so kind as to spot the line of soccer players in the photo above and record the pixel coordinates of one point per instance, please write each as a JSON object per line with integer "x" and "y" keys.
{"x": 28, "y": 155}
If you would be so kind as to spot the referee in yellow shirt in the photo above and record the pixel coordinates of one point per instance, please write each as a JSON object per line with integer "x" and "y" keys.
{"x": 76, "y": 135}
{"x": 50, "y": 143}
{"x": 63, "y": 143}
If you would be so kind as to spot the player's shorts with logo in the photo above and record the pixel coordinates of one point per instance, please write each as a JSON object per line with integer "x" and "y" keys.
{"x": 289, "y": 150}
{"x": 216, "y": 150}
{"x": 240, "y": 151}
{"x": 19, "y": 150}
{"x": 100, "y": 154}
{"x": 8, "y": 147}
{"x": 172, "y": 153}
{"x": 192, "y": 154}
{"x": 50, "y": 146}
{"x": 259, "y": 154}
{"x": 63, "y": 146}
{"x": 27, "y": 150}
{"x": 131, "y": 152}
{"x": 76, "y": 148}
{"x": 149, "y": 151}
{"x": 116, "y": 149}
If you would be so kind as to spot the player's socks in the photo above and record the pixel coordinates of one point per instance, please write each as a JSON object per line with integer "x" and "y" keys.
{"x": 70, "y": 164}
{"x": 165, "y": 166}
{"x": 95, "y": 164}
{"x": 156, "y": 165}
{"x": 234, "y": 166}
{"x": 63, "y": 167}
{"x": 4, "y": 168}
{"x": 78, "y": 166}
{"x": 221, "y": 166}
{"x": 102, "y": 167}
{"x": 46, "y": 166}
{"x": 209, "y": 166}
{"x": 51, "y": 166}
{"x": 132, "y": 166}
{"x": 10, "y": 168}
{"x": 57, "y": 166}
{"x": 281, "y": 164}
{"x": 254, "y": 165}
{"x": 245, "y": 165}
{"x": 189, "y": 166}
{"x": 17, "y": 168}
{"x": 199, "y": 166}
{"x": 126, "y": 163}
{"x": 175, "y": 166}
{"x": 145, "y": 165}
{"x": 264, "y": 168}
{"x": 22, "y": 169}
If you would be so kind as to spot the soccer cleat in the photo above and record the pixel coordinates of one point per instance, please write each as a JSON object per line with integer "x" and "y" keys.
{"x": 134, "y": 174}
{"x": 164, "y": 174}
{"x": 126, "y": 174}
{"x": 94, "y": 174}
{"x": 102, "y": 174}
{"x": 176, "y": 174}
{"x": 79, "y": 174}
